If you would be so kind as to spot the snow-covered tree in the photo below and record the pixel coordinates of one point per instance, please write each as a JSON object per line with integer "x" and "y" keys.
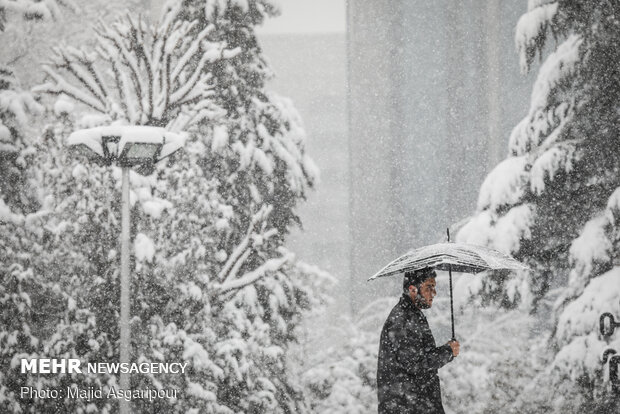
{"x": 158, "y": 76}
{"x": 19, "y": 285}
{"x": 33, "y": 323}
{"x": 16, "y": 105}
{"x": 553, "y": 202}
{"x": 343, "y": 379}
{"x": 48, "y": 290}
{"x": 495, "y": 370}
{"x": 212, "y": 282}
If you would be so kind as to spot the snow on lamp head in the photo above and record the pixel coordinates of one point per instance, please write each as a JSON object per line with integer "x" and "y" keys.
{"x": 139, "y": 147}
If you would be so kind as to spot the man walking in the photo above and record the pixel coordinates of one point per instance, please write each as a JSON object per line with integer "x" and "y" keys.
{"x": 407, "y": 379}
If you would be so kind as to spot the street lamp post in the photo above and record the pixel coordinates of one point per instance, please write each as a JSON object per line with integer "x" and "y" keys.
{"x": 138, "y": 147}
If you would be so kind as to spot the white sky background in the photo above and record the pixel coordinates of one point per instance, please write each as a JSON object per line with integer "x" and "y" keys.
{"x": 307, "y": 16}
{"x": 298, "y": 16}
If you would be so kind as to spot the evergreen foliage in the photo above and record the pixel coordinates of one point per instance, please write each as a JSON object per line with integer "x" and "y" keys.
{"x": 212, "y": 283}
{"x": 553, "y": 201}
{"x": 344, "y": 377}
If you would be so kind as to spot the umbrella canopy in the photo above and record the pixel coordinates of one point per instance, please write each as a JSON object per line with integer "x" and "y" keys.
{"x": 458, "y": 257}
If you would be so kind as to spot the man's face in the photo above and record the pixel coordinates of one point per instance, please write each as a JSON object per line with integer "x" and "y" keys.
{"x": 423, "y": 298}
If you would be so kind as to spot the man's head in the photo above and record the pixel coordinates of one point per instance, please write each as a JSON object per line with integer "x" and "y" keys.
{"x": 420, "y": 286}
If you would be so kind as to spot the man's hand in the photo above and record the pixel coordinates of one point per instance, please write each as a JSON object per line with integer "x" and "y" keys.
{"x": 455, "y": 347}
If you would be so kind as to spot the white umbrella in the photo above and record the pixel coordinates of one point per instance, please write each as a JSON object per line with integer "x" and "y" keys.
{"x": 460, "y": 257}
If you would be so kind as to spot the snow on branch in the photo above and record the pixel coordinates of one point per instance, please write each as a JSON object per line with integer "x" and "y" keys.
{"x": 271, "y": 265}
{"x": 60, "y": 86}
{"x": 531, "y": 32}
{"x": 151, "y": 76}
{"x": 15, "y": 103}
{"x": 556, "y": 159}
{"x": 558, "y": 67}
{"x": 504, "y": 233}
{"x": 591, "y": 251}
{"x": 242, "y": 251}
{"x": 505, "y": 185}
{"x": 581, "y": 347}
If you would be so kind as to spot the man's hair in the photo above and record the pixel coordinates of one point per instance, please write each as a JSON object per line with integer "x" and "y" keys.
{"x": 417, "y": 277}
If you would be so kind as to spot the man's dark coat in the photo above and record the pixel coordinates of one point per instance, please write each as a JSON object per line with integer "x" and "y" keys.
{"x": 407, "y": 377}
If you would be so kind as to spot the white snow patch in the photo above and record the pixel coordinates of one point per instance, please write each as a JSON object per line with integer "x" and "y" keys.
{"x": 8, "y": 216}
{"x": 581, "y": 317}
{"x": 156, "y": 206}
{"x": 92, "y": 120}
{"x": 220, "y": 138}
{"x": 221, "y": 256}
{"x": 466, "y": 288}
{"x": 263, "y": 161}
{"x": 502, "y": 233}
{"x": 144, "y": 248}
{"x": 613, "y": 208}
{"x": 519, "y": 142}
{"x": 222, "y": 224}
{"x": 553, "y": 160}
{"x": 513, "y": 227}
{"x": 477, "y": 229}
{"x": 79, "y": 172}
{"x": 581, "y": 356}
{"x": 19, "y": 104}
{"x": 5, "y": 133}
{"x": 505, "y": 185}
{"x": 531, "y": 26}
{"x": 231, "y": 53}
{"x": 592, "y": 246}
{"x": 558, "y": 66}
{"x": 194, "y": 291}
{"x": 196, "y": 390}
{"x": 63, "y": 106}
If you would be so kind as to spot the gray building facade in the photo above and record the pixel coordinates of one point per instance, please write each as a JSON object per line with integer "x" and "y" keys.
{"x": 434, "y": 90}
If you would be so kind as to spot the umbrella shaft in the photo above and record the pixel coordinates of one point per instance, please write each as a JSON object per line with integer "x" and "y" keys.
{"x": 451, "y": 304}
